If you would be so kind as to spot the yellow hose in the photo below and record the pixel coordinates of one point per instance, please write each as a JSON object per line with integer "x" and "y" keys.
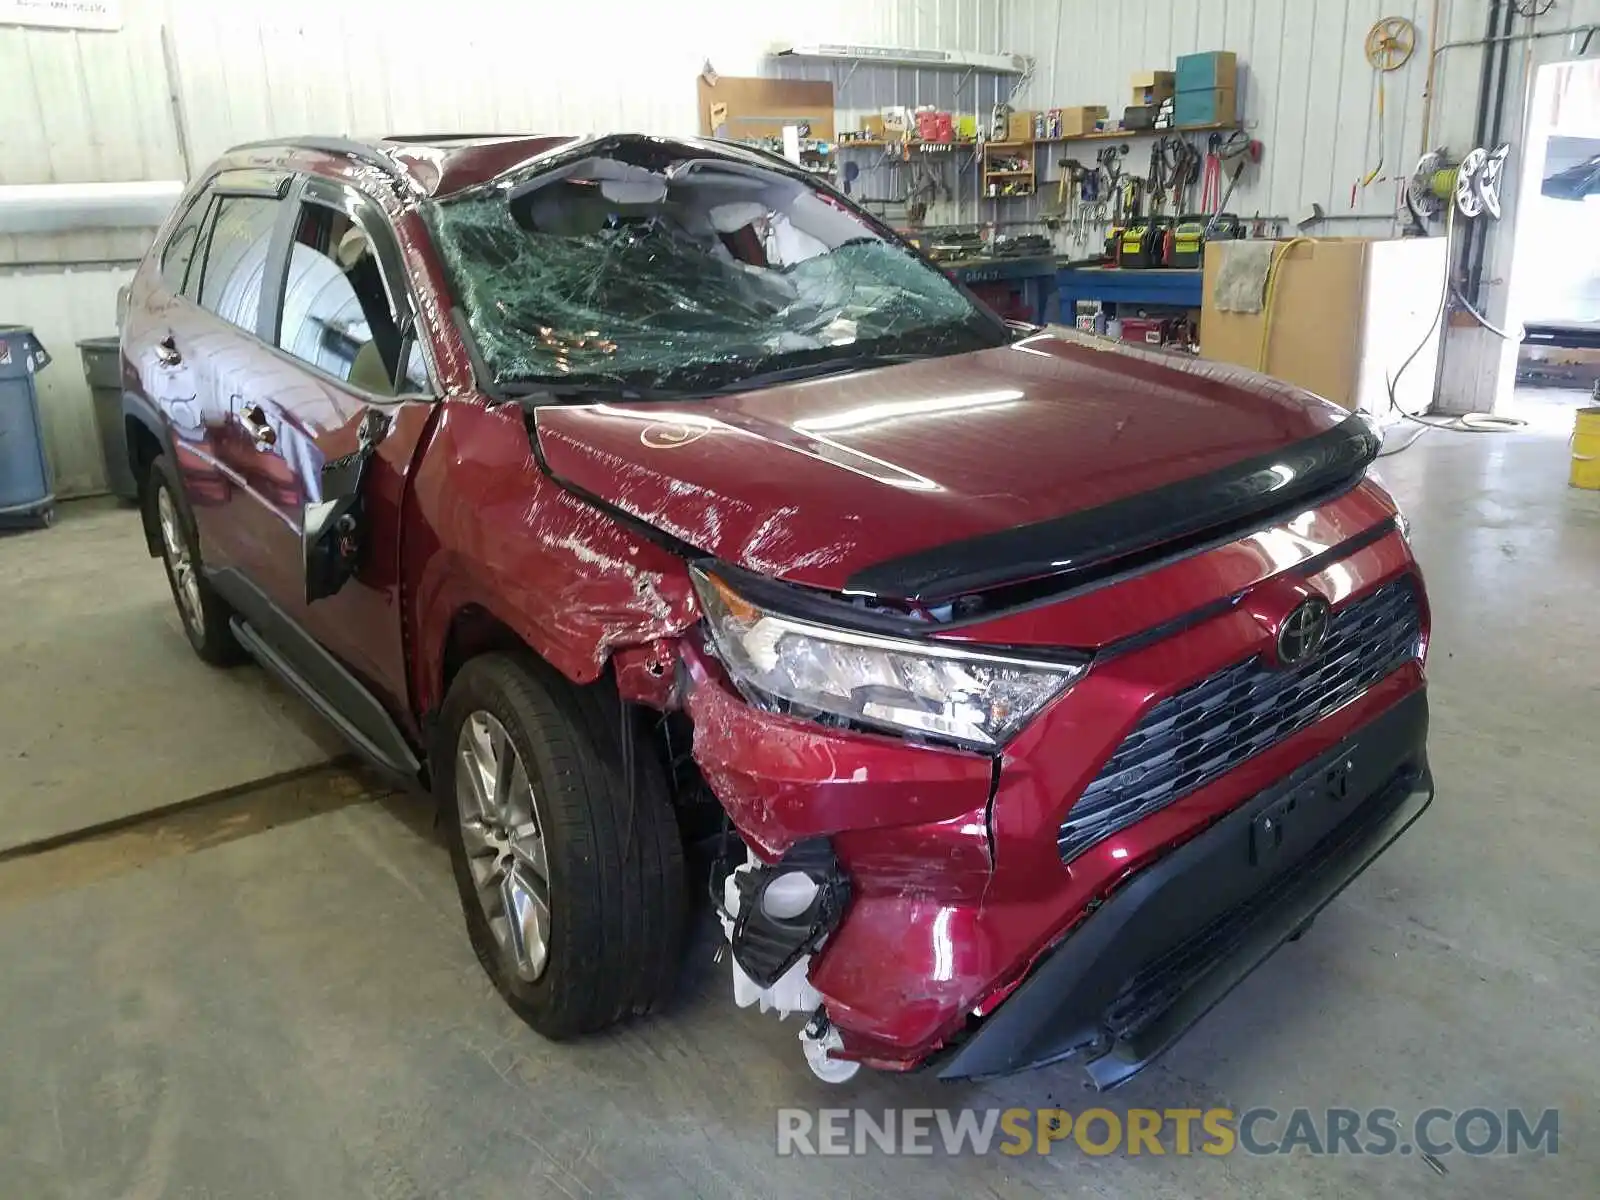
{"x": 1271, "y": 294}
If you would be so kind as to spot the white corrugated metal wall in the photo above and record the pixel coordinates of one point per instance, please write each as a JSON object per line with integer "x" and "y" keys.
{"x": 82, "y": 107}
{"x": 1305, "y": 88}
{"x": 1308, "y": 93}
{"x": 96, "y": 106}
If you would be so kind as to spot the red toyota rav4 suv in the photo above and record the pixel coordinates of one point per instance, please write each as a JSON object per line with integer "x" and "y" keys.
{"x": 1036, "y": 688}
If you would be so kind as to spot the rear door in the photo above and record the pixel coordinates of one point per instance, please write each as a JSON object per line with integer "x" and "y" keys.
{"x": 191, "y": 338}
{"x": 342, "y": 354}
{"x": 243, "y": 235}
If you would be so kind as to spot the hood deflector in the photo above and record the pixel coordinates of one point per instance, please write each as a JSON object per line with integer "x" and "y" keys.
{"x": 1075, "y": 549}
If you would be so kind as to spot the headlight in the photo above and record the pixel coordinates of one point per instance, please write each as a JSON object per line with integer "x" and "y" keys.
{"x": 790, "y": 665}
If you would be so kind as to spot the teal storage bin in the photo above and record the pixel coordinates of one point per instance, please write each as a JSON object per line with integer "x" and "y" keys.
{"x": 1204, "y": 72}
{"x": 1213, "y": 107}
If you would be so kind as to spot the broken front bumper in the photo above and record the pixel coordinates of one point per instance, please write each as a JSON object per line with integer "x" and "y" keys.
{"x": 1179, "y": 935}
{"x": 959, "y": 891}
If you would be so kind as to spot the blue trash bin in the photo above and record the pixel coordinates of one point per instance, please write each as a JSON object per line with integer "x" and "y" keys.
{"x": 27, "y": 495}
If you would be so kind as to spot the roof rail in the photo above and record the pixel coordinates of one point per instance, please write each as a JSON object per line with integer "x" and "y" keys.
{"x": 362, "y": 152}
{"x": 442, "y": 139}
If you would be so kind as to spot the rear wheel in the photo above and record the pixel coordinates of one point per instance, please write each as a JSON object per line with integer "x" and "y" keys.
{"x": 571, "y": 880}
{"x": 203, "y": 613}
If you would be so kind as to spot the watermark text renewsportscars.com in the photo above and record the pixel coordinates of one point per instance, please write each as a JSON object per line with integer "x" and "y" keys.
{"x": 1432, "y": 1132}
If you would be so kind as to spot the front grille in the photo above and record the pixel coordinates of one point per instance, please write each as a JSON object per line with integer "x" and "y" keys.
{"x": 1203, "y": 732}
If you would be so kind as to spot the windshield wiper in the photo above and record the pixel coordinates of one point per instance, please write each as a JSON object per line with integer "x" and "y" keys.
{"x": 561, "y": 391}
{"x": 565, "y": 391}
{"x": 812, "y": 370}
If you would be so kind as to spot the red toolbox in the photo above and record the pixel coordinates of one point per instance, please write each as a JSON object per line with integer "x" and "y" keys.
{"x": 1146, "y": 331}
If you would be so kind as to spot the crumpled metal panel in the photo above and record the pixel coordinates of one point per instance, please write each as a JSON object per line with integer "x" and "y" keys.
{"x": 490, "y": 533}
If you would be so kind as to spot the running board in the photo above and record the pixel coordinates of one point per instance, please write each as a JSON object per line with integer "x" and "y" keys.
{"x": 395, "y": 759}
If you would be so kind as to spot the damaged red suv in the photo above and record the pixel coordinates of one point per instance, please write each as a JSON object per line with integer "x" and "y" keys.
{"x": 667, "y": 515}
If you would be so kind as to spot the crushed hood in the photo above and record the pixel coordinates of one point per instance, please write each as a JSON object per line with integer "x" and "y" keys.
{"x": 952, "y": 474}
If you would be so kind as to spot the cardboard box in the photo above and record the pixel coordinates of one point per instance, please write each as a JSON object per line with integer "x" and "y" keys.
{"x": 747, "y": 108}
{"x": 1204, "y": 72}
{"x": 1020, "y": 127}
{"x": 1346, "y": 313}
{"x": 898, "y": 124}
{"x": 1152, "y": 87}
{"x": 872, "y": 127}
{"x": 1218, "y": 106}
{"x": 1075, "y": 122}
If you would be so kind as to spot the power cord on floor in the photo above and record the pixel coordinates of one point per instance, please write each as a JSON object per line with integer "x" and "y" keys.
{"x": 1468, "y": 423}
{"x": 1472, "y": 422}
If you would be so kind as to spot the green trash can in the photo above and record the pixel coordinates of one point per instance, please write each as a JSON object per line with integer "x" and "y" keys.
{"x": 27, "y": 495}
{"x": 102, "y": 370}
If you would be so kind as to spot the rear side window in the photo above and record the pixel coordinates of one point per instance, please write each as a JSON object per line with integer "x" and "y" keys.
{"x": 234, "y": 262}
{"x": 179, "y": 251}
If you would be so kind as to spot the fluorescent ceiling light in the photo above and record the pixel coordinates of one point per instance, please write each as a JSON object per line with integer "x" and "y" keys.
{"x": 953, "y": 60}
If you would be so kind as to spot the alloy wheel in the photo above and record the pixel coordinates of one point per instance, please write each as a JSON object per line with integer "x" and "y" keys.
{"x": 504, "y": 840}
{"x": 180, "y": 562}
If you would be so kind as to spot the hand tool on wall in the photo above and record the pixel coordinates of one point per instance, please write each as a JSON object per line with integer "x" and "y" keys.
{"x": 1181, "y": 163}
{"x": 1238, "y": 147}
{"x": 1390, "y": 43}
{"x": 1129, "y": 196}
{"x": 1089, "y": 185}
{"x": 1156, "y": 177}
{"x": 1071, "y": 177}
{"x": 1211, "y": 177}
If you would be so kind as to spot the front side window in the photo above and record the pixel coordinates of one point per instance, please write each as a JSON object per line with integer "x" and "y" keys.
{"x": 649, "y": 267}
{"x": 234, "y": 261}
{"x": 337, "y": 313}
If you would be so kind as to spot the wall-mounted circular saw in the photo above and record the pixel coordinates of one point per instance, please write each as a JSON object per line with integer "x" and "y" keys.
{"x": 1472, "y": 184}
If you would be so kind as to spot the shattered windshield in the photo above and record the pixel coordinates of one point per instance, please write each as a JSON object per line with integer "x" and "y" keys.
{"x": 676, "y": 274}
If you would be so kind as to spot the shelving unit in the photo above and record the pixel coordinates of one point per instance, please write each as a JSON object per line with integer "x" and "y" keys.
{"x": 1110, "y": 135}
{"x": 911, "y": 143}
{"x": 1117, "y": 135}
{"x": 1008, "y": 169}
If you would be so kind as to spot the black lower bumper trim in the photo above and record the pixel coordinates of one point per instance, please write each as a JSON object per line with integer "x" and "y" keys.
{"x": 1182, "y": 933}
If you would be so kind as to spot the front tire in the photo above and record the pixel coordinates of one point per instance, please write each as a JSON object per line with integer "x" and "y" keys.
{"x": 203, "y": 614}
{"x": 571, "y": 883}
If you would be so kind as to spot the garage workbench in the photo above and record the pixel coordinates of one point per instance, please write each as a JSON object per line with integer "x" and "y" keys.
{"x": 1014, "y": 287}
{"x": 1112, "y": 285}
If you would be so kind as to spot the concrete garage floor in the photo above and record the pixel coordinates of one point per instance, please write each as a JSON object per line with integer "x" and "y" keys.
{"x": 107, "y": 710}
{"x": 273, "y": 996}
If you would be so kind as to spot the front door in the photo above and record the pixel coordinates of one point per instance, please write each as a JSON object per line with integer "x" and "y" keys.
{"x": 341, "y": 353}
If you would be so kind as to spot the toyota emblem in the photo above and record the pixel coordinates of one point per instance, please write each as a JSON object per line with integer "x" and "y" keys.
{"x": 1303, "y": 632}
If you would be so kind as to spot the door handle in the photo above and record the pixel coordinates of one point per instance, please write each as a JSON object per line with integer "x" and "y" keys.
{"x": 167, "y": 352}
{"x": 255, "y": 424}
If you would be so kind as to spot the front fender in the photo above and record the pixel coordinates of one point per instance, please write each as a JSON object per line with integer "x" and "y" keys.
{"x": 488, "y": 530}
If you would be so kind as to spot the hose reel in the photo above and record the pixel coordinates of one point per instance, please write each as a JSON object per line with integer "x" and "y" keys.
{"x": 1472, "y": 185}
